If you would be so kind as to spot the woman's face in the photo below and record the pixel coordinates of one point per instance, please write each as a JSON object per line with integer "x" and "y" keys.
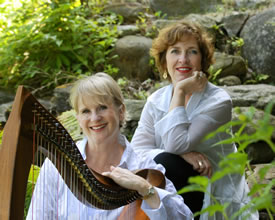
{"x": 99, "y": 122}
{"x": 183, "y": 59}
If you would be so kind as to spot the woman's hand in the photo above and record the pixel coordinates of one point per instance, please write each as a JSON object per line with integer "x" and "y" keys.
{"x": 186, "y": 87}
{"x": 127, "y": 179}
{"x": 195, "y": 83}
{"x": 199, "y": 162}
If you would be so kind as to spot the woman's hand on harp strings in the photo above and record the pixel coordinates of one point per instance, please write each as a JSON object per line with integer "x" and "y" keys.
{"x": 127, "y": 179}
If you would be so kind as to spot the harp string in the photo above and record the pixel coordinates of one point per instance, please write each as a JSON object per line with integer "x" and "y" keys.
{"x": 33, "y": 155}
{"x": 61, "y": 150}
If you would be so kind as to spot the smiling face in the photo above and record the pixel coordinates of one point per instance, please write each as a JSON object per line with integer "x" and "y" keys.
{"x": 183, "y": 59}
{"x": 99, "y": 122}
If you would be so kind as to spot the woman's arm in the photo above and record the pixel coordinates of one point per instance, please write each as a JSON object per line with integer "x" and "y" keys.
{"x": 162, "y": 204}
{"x": 180, "y": 135}
{"x": 129, "y": 180}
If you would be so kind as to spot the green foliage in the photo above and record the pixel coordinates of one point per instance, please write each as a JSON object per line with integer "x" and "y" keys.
{"x": 143, "y": 23}
{"x": 160, "y": 15}
{"x": 238, "y": 162}
{"x": 33, "y": 175}
{"x": 235, "y": 44}
{"x": 70, "y": 123}
{"x": 213, "y": 75}
{"x": 134, "y": 89}
{"x": 257, "y": 78}
{"x": 49, "y": 44}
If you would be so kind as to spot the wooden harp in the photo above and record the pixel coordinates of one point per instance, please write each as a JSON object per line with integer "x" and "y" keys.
{"x": 28, "y": 120}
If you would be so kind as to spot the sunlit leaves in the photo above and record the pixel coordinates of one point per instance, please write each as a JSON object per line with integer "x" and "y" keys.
{"x": 64, "y": 38}
{"x": 236, "y": 163}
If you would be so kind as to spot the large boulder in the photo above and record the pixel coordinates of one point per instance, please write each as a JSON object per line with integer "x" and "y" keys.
{"x": 250, "y": 4}
{"x": 259, "y": 41}
{"x": 125, "y": 30}
{"x": 133, "y": 57}
{"x": 234, "y": 22}
{"x": 183, "y": 7}
{"x": 259, "y": 95}
{"x": 206, "y": 21}
{"x": 230, "y": 65}
{"x": 130, "y": 11}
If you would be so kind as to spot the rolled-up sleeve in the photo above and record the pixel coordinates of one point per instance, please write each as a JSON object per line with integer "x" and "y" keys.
{"x": 171, "y": 206}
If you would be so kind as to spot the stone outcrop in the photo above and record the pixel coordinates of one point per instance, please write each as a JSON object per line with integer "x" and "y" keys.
{"x": 128, "y": 10}
{"x": 234, "y": 23}
{"x": 133, "y": 57}
{"x": 230, "y": 65}
{"x": 258, "y": 50}
{"x": 259, "y": 38}
{"x": 258, "y": 96}
{"x": 183, "y": 7}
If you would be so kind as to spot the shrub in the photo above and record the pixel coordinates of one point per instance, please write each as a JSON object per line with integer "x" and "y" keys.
{"x": 49, "y": 44}
{"x": 238, "y": 162}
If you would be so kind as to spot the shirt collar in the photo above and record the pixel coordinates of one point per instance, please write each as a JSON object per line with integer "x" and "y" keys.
{"x": 162, "y": 98}
{"x": 122, "y": 140}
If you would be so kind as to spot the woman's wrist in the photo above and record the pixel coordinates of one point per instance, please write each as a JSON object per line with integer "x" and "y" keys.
{"x": 144, "y": 188}
{"x": 150, "y": 192}
{"x": 178, "y": 99}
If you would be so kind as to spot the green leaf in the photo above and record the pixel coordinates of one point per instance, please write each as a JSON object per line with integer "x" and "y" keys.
{"x": 58, "y": 61}
{"x": 65, "y": 60}
{"x": 197, "y": 183}
{"x": 212, "y": 209}
{"x": 58, "y": 42}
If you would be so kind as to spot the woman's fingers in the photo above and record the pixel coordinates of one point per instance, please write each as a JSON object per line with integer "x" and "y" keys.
{"x": 199, "y": 162}
{"x": 205, "y": 168}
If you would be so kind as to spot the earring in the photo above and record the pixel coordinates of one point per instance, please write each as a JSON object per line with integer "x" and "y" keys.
{"x": 164, "y": 74}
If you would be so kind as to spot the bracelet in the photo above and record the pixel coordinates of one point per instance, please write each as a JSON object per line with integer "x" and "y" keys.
{"x": 151, "y": 192}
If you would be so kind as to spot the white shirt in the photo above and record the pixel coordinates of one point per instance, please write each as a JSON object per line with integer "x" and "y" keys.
{"x": 53, "y": 198}
{"x": 182, "y": 130}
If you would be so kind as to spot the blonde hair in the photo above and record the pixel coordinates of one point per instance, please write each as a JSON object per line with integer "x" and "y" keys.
{"x": 172, "y": 34}
{"x": 100, "y": 88}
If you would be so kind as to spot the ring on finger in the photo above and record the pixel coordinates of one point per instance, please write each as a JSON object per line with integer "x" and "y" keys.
{"x": 200, "y": 163}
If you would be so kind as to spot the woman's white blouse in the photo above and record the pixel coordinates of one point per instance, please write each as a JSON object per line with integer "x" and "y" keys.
{"x": 182, "y": 130}
{"x": 52, "y": 199}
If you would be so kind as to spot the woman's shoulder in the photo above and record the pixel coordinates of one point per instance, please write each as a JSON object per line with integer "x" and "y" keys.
{"x": 159, "y": 93}
{"x": 160, "y": 99}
